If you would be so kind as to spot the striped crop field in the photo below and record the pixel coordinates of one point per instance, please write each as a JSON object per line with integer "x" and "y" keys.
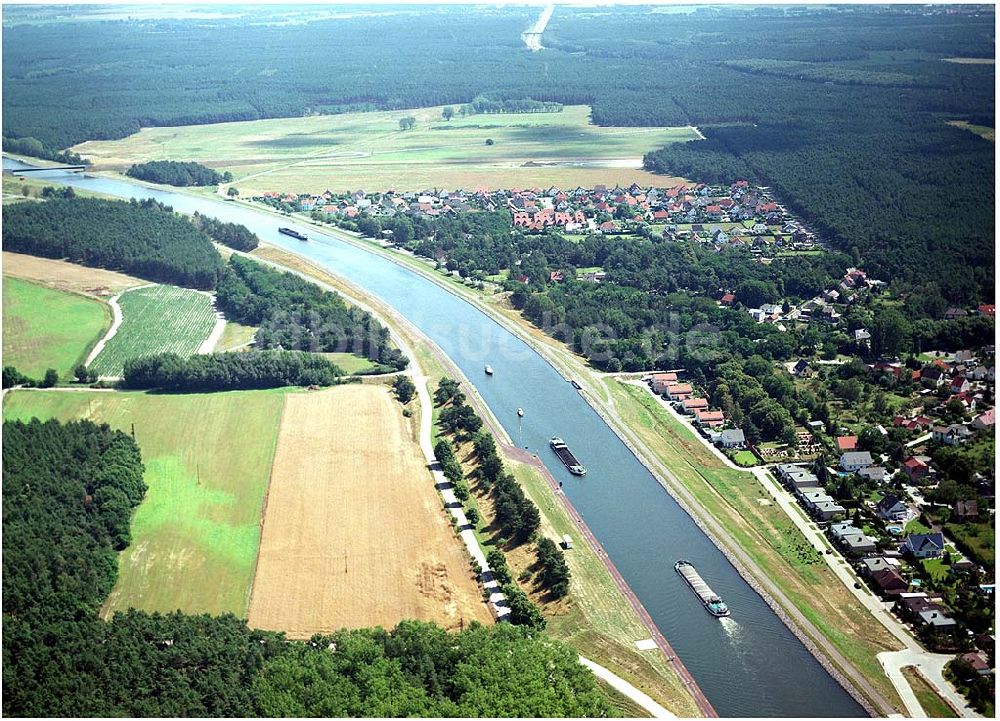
{"x": 156, "y": 319}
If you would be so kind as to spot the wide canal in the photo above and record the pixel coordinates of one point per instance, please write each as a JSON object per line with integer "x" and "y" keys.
{"x": 749, "y": 664}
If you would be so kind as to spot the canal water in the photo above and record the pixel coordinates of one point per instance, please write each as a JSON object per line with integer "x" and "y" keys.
{"x": 749, "y": 664}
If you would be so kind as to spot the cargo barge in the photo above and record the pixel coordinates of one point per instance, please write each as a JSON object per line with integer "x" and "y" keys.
{"x": 566, "y": 456}
{"x": 713, "y": 604}
{"x": 293, "y": 233}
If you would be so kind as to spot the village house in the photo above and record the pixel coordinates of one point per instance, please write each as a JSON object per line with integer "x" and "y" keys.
{"x": 916, "y": 469}
{"x": 679, "y": 391}
{"x": 690, "y": 405}
{"x": 953, "y": 435}
{"x": 710, "y": 418}
{"x": 852, "y": 540}
{"x": 732, "y": 438}
{"x": 984, "y": 421}
{"x": 847, "y": 443}
{"x": 892, "y": 509}
{"x": 977, "y": 662}
{"x": 661, "y": 381}
{"x": 923, "y": 545}
{"x": 855, "y": 460}
{"x": 966, "y": 511}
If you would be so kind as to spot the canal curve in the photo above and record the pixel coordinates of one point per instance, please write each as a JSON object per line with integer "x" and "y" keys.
{"x": 750, "y": 664}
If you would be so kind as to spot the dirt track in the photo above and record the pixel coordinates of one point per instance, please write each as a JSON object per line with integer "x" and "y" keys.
{"x": 354, "y": 533}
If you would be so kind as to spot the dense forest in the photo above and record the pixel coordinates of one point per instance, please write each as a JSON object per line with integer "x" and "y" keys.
{"x": 143, "y": 238}
{"x": 768, "y": 87}
{"x": 296, "y": 314}
{"x": 68, "y": 494}
{"x": 229, "y": 371}
{"x": 172, "y": 172}
{"x": 234, "y": 235}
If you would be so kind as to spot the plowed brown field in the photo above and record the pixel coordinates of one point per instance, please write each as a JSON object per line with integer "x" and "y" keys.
{"x": 354, "y": 531}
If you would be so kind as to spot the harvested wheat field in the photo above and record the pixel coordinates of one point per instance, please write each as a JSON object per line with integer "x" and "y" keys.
{"x": 354, "y": 531}
{"x": 61, "y": 275}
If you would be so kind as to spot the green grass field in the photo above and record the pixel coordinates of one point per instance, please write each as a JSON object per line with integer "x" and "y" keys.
{"x": 369, "y": 150}
{"x": 208, "y": 458}
{"x": 350, "y": 363}
{"x": 930, "y": 700}
{"x": 157, "y": 319}
{"x": 45, "y": 328}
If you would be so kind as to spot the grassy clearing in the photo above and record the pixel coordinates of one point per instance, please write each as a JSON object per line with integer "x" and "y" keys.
{"x": 157, "y": 319}
{"x": 208, "y": 458}
{"x": 350, "y": 363}
{"x": 369, "y": 150}
{"x": 15, "y": 187}
{"x": 235, "y": 336}
{"x": 983, "y": 131}
{"x": 46, "y": 328}
{"x": 764, "y": 531}
{"x": 932, "y": 703}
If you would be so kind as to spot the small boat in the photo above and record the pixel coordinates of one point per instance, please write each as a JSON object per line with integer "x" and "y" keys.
{"x": 520, "y": 413}
{"x": 558, "y": 445}
{"x": 489, "y": 370}
{"x": 576, "y": 385}
{"x": 293, "y": 233}
{"x": 709, "y": 599}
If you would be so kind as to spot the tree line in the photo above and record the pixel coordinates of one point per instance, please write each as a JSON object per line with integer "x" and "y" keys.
{"x": 229, "y": 371}
{"x": 69, "y": 491}
{"x": 233, "y": 235}
{"x": 142, "y": 238}
{"x": 295, "y": 314}
{"x": 180, "y": 174}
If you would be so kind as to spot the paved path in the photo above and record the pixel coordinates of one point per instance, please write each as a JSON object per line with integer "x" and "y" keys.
{"x": 627, "y": 689}
{"x": 213, "y": 338}
{"x": 498, "y": 603}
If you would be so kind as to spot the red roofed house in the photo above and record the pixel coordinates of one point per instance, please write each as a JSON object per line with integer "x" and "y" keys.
{"x": 915, "y": 468}
{"x": 710, "y": 418}
{"x": 959, "y": 385}
{"x": 680, "y": 391}
{"x": 662, "y": 381}
{"x": 847, "y": 443}
{"x": 695, "y": 404}
{"x": 984, "y": 421}
{"x": 988, "y": 310}
{"x": 728, "y": 299}
{"x": 555, "y": 276}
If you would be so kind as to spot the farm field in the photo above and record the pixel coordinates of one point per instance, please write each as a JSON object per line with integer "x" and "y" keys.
{"x": 48, "y": 328}
{"x": 62, "y": 275}
{"x": 208, "y": 458}
{"x": 355, "y": 534}
{"x": 157, "y": 318}
{"x": 352, "y": 150}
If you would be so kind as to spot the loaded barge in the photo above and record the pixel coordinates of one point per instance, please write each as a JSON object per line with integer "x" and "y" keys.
{"x": 566, "y": 456}
{"x": 293, "y": 233}
{"x": 713, "y": 604}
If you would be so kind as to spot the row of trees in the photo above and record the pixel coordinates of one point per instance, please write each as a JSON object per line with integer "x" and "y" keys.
{"x": 229, "y": 371}
{"x": 143, "y": 238}
{"x": 233, "y": 235}
{"x": 180, "y": 174}
{"x": 554, "y": 574}
{"x": 295, "y": 314}
{"x": 451, "y": 468}
{"x": 69, "y": 491}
